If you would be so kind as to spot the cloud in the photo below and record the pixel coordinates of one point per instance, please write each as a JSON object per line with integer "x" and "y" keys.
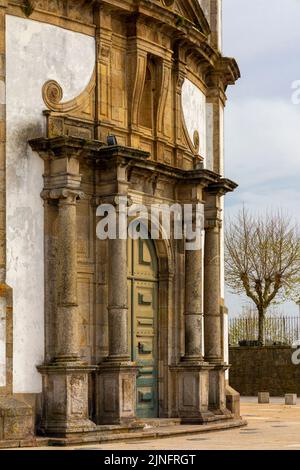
{"x": 262, "y": 151}
{"x": 262, "y": 143}
{"x": 259, "y": 28}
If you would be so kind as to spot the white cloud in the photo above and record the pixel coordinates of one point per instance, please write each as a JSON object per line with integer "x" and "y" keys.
{"x": 262, "y": 125}
{"x": 262, "y": 141}
{"x": 260, "y": 27}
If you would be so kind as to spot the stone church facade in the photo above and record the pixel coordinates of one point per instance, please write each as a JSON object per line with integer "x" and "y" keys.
{"x": 101, "y": 100}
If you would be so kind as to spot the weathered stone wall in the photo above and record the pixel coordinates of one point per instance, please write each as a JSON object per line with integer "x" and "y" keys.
{"x": 264, "y": 369}
{"x": 36, "y": 52}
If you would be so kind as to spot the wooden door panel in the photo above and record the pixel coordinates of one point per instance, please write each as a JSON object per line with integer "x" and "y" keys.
{"x": 143, "y": 313}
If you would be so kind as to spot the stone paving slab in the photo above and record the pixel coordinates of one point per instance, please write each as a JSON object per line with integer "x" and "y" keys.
{"x": 270, "y": 427}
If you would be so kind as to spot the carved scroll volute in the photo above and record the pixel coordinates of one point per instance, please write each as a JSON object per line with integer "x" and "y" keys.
{"x": 163, "y": 97}
{"x": 137, "y": 67}
{"x": 53, "y": 94}
{"x": 179, "y": 80}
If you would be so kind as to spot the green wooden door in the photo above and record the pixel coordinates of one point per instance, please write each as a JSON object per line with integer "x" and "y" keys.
{"x": 143, "y": 292}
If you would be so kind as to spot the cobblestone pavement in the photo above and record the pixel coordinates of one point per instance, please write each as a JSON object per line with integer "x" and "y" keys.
{"x": 274, "y": 426}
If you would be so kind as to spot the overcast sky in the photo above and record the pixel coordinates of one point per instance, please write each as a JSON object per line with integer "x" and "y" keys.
{"x": 262, "y": 125}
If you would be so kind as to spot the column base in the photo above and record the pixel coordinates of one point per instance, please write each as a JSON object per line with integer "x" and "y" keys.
{"x": 192, "y": 390}
{"x": 116, "y": 392}
{"x": 217, "y": 389}
{"x": 65, "y": 399}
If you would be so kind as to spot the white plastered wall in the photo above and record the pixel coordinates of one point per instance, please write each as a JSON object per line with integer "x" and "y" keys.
{"x": 35, "y": 53}
{"x": 194, "y": 112}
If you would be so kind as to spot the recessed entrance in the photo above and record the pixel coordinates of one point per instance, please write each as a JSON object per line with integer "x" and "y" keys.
{"x": 143, "y": 313}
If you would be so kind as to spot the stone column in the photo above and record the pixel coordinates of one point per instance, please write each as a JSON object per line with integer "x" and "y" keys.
{"x": 118, "y": 301}
{"x": 65, "y": 378}
{"x": 213, "y": 334}
{"x": 193, "y": 372}
{"x": 116, "y": 382}
{"x": 67, "y": 341}
{"x": 212, "y": 305}
{"x": 193, "y": 306}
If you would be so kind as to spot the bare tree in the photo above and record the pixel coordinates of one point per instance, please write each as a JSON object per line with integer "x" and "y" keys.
{"x": 262, "y": 259}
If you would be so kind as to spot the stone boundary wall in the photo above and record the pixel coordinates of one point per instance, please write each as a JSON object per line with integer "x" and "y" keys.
{"x": 267, "y": 368}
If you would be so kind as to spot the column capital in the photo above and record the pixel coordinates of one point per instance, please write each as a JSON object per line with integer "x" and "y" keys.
{"x": 214, "y": 223}
{"x": 63, "y": 195}
{"x": 115, "y": 200}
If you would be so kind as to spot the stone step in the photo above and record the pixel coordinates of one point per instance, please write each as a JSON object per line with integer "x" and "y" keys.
{"x": 154, "y": 433}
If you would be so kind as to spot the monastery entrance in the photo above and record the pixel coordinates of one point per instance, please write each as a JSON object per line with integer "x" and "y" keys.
{"x": 143, "y": 320}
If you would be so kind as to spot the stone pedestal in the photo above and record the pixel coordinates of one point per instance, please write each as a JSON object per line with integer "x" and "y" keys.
{"x": 116, "y": 393}
{"x": 193, "y": 393}
{"x": 65, "y": 399}
{"x": 217, "y": 389}
{"x": 16, "y": 420}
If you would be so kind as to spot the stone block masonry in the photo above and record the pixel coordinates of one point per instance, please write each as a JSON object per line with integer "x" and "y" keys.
{"x": 264, "y": 369}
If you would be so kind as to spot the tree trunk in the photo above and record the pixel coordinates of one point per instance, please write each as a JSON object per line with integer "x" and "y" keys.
{"x": 261, "y": 326}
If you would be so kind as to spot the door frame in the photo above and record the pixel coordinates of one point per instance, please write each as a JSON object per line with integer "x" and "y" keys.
{"x": 168, "y": 316}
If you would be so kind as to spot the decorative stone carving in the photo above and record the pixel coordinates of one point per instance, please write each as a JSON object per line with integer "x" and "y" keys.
{"x": 65, "y": 400}
{"x": 53, "y": 94}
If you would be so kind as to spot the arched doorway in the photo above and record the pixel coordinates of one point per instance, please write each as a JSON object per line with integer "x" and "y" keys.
{"x": 143, "y": 320}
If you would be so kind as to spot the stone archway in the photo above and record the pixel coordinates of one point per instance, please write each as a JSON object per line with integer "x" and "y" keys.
{"x": 161, "y": 252}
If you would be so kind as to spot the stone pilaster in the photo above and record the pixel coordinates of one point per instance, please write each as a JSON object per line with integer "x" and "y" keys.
{"x": 179, "y": 77}
{"x": 213, "y": 334}
{"x": 103, "y": 69}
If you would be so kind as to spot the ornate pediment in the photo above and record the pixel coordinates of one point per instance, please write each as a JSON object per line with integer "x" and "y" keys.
{"x": 189, "y": 11}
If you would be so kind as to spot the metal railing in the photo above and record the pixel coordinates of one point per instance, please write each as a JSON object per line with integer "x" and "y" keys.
{"x": 278, "y": 330}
